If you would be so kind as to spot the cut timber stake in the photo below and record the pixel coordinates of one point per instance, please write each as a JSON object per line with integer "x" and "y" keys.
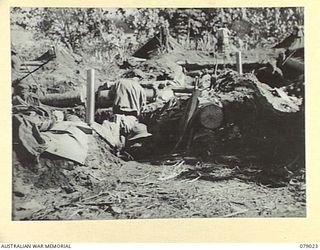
{"x": 239, "y": 62}
{"x": 90, "y": 97}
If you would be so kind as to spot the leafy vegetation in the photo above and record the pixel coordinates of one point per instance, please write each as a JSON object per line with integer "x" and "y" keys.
{"x": 115, "y": 33}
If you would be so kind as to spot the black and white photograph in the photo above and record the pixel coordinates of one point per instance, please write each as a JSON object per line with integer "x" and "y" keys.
{"x": 157, "y": 113}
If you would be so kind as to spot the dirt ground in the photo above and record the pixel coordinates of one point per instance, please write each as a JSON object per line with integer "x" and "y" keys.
{"x": 173, "y": 186}
{"x": 109, "y": 188}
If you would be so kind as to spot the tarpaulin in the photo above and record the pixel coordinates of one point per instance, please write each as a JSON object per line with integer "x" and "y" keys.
{"x": 67, "y": 141}
{"x": 110, "y": 131}
{"x": 34, "y": 132}
{"x": 27, "y": 140}
{"x": 39, "y": 116}
{"x": 65, "y": 125}
{"x": 27, "y": 124}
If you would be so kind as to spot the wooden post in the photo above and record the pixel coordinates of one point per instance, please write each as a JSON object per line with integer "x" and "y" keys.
{"x": 239, "y": 62}
{"x": 188, "y": 34}
{"x": 90, "y": 97}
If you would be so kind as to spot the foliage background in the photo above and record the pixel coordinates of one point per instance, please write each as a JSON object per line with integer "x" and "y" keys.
{"x": 113, "y": 34}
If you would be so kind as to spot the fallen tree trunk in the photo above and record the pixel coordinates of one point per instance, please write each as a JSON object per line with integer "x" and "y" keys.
{"x": 238, "y": 108}
{"x": 210, "y": 116}
{"x": 103, "y": 97}
{"x": 67, "y": 99}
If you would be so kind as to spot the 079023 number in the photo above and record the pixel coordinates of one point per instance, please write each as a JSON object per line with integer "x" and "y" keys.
{"x": 308, "y": 246}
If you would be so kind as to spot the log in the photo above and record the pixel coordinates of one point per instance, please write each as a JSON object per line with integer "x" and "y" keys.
{"x": 74, "y": 98}
{"x": 194, "y": 73}
{"x": 186, "y": 89}
{"x": 67, "y": 99}
{"x": 32, "y": 64}
{"x": 210, "y": 116}
{"x": 77, "y": 97}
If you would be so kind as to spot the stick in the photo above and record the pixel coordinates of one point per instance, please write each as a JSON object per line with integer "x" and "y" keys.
{"x": 176, "y": 173}
{"x": 73, "y": 214}
{"x": 95, "y": 196}
{"x": 144, "y": 177}
{"x": 34, "y": 70}
{"x": 195, "y": 179}
{"x": 236, "y": 213}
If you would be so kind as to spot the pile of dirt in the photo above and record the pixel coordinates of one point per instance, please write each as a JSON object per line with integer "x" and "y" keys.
{"x": 66, "y": 72}
{"x": 169, "y": 189}
{"x": 57, "y": 180}
{"x": 162, "y": 68}
{"x": 107, "y": 188}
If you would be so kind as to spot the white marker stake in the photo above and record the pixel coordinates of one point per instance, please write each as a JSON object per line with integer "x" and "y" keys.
{"x": 239, "y": 62}
{"x": 90, "y": 97}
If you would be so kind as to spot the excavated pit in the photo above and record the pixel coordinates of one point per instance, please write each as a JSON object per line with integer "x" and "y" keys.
{"x": 253, "y": 165}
